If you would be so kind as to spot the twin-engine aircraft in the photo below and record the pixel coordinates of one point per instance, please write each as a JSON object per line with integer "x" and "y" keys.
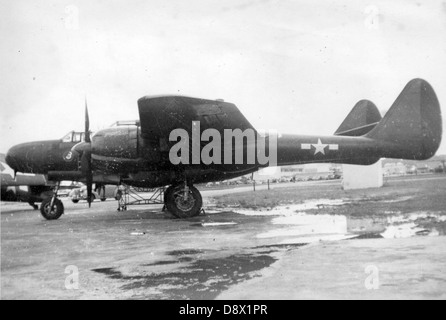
{"x": 181, "y": 141}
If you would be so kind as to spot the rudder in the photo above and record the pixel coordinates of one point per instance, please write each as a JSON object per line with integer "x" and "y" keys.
{"x": 413, "y": 124}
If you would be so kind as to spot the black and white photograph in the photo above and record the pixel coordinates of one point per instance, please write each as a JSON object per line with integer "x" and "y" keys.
{"x": 223, "y": 154}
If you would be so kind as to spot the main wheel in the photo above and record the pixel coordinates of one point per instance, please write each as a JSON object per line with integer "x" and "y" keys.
{"x": 32, "y": 204}
{"x": 53, "y": 214}
{"x": 167, "y": 193}
{"x": 181, "y": 203}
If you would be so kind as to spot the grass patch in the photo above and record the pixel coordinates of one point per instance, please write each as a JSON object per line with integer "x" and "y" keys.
{"x": 401, "y": 195}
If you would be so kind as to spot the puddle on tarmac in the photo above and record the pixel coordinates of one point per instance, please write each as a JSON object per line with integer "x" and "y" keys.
{"x": 293, "y": 208}
{"x": 185, "y": 252}
{"x": 292, "y": 225}
{"x": 213, "y": 224}
{"x": 167, "y": 262}
{"x": 400, "y": 225}
{"x": 201, "y": 279}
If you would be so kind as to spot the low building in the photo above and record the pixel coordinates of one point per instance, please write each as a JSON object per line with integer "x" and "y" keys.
{"x": 395, "y": 169}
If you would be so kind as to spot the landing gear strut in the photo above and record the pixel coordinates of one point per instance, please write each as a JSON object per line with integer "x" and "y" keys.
{"x": 183, "y": 200}
{"x": 52, "y": 208}
{"x": 32, "y": 204}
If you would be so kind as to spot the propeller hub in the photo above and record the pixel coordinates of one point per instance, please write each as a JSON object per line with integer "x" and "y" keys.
{"x": 81, "y": 147}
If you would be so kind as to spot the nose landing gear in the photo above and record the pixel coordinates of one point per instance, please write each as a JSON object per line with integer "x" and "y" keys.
{"x": 52, "y": 208}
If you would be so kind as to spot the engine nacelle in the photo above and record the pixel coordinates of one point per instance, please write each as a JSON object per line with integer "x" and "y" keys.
{"x": 118, "y": 143}
{"x": 115, "y": 150}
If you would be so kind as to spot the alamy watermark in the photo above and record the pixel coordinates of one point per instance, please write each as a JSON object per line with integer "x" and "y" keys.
{"x": 372, "y": 280}
{"x": 72, "y": 280}
{"x": 231, "y": 148}
{"x": 372, "y": 18}
{"x": 72, "y": 17}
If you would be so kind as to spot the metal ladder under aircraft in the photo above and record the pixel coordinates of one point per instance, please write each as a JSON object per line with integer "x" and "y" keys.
{"x": 131, "y": 197}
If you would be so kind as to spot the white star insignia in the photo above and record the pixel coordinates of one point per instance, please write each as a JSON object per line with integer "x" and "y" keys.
{"x": 319, "y": 147}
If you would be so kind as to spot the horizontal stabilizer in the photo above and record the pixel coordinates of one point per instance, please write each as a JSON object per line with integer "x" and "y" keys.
{"x": 363, "y": 118}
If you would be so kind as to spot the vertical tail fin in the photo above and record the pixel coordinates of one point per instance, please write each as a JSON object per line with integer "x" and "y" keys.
{"x": 413, "y": 124}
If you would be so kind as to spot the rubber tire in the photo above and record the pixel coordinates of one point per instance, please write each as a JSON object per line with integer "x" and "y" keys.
{"x": 171, "y": 205}
{"x": 166, "y": 193}
{"x": 75, "y": 200}
{"x": 32, "y": 204}
{"x": 58, "y": 209}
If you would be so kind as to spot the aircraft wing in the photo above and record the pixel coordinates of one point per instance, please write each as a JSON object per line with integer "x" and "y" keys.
{"x": 160, "y": 115}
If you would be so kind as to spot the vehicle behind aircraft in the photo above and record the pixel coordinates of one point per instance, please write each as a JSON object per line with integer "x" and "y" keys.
{"x": 30, "y": 188}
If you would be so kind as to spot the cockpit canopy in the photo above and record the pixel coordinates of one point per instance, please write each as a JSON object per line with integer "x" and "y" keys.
{"x": 79, "y": 136}
{"x": 74, "y": 136}
{"x": 125, "y": 123}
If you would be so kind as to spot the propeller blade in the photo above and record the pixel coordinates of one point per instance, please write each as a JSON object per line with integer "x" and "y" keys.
{"x": 84, "y": 151}
{"x": 87, "y": 124}
{"x": 87, "y": 172}
{"x": 89, "y": 187}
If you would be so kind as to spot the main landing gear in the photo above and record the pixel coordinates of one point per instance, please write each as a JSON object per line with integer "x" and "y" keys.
{"x": 183, "y": 200}
{"x": 52, "y": 208}
{"x": 32, "y": 204}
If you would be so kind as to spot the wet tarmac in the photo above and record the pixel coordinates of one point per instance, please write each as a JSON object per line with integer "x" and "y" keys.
{"x": 287, "y": 252}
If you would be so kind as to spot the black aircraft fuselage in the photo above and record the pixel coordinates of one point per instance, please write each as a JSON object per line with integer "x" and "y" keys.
{"x": 41, "y": 157}
{"x": 188, "y": 140}
{"x": 120, "y": 154}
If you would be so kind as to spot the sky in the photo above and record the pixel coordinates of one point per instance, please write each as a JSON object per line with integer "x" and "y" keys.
{"x": 292, "y": 66}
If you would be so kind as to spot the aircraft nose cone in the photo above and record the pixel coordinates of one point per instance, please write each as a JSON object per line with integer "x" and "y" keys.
{"x": 12, "y": 157}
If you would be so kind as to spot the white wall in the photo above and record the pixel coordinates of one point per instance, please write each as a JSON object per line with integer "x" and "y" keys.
{"x": 362, "y": 177}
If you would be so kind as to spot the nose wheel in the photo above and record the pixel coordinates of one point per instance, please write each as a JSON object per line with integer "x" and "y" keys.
{"x": 51, "y": 211}
{"x": 52, "y": 208}
{"x": 183, "y": 201}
